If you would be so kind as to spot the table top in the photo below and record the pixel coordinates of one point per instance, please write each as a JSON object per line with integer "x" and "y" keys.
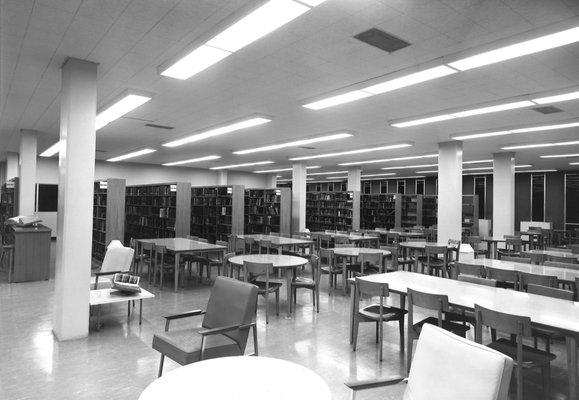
{"x": 564, "y": 274}
{"x": 403, "y": 234}
{"x": 182, "y": 245}
{"x": 108, "y": 296}
{"x": 497, "y": 239}
{"x": 351, "y": 237}
{"x": 532, "y": 233}
{"x": 278, "y": 260}
{"x": 278, "y": 240}
{"x": 245, "y": 378}
{"x": 422, "y": 244}
{"x": 30, "y": 229}
{"x": 566, "y": 254}
{"x": 545, "y": 311}
{"x": 355, "y": 251}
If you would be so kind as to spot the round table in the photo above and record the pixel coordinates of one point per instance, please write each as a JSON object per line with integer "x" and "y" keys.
{"x": 355, "y": 252}
{"x": 239, "y": 378}
{"x": 278, "y": 261}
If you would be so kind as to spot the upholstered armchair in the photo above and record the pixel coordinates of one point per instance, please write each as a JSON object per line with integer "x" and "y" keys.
{"x": 117, "y": 259}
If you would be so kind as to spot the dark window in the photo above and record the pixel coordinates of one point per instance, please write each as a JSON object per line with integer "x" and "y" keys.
{"x": 420, "y": 186}
{"x": 571, "y": 201}
{"x": 383, "y": 186}
{"x": 401, "y": 187}
{"x": 480, "y": 189}
{"x": 537, "y": 197}
{"x": 47, "y": 198}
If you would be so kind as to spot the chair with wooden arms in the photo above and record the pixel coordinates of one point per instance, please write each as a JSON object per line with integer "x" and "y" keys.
{"x": 328, "y": 266}
{"x": 513, "y": 247}
{"x": 376, "y": 312}
{"x": 230, "y": 314}
{"x": 264, "y": 246}
{"x": 393, "y": 258}
{"x": 117, "y": 259}
{"x": 536, "y": 258}
{"x": 523, "y": 356}
{"x": 368, "y": 263}
{"x": 313, "y": 283}
{"x": 562, "y": 259}
{"x": 523, "y": 260}
{"x": 467, "y": 269}
{"x": 526, "y": 278}
{"x": 445, "y": 367}
{"x": 251, "y": 272}
{"x": 506, "y": 279}
{"x": 478, "y": 247}
{"x": 432, "y": 302}
{"x": 435, "y": 259}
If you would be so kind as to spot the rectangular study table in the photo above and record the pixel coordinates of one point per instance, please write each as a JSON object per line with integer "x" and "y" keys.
{"x": 179, "y": 246}
{"x": 566, "y": 275}
{"x": 351, "y": 237}
{"x": 109, "y": 296}
{"x": 545, "y": 312}
{"x": 555, "y": 253}
{"x": 279, "y": 241}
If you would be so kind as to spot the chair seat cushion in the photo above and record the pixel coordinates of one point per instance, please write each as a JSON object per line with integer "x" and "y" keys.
{"x": 531, "y": 356}
{"x": 184, "y": 346}
{"x": 450, "y": 326}
{"x": 372, "y": 312}
{"x": 301, "y": 281}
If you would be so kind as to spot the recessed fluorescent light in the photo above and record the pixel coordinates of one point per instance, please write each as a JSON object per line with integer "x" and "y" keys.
{"x": 329, "y": 173}
{"x": 411, "y": 79}
{"x": 535, "y": 170}
{"x": 410, "y": 166}
{"x": 481, "y": 135}
{"x": 338, "y": 99}
{"x": 473, "y": 169}
{"x": 192, "y": 160}
{"x": 491, "y": 109}
{"x": 536, "y": 145}
{"x": 434, "y": 171}
{"x": 131, "y": 155}
{"x": 512, "y": 131}
{"x": 268, "y": 171}
{"x": 519, "y": 49}
{"x": 422, "y": 121}
{"x": 312, "y": 3}
{"x": 373, "y": 175}
{"x": 196, "y": 61}
{"x": 574, "y": 163}
{"x": 561, "y": 155}
{"x": 390, "y": 159}
{"x": 243, "y": 165}
{"x": 336, "y": 177}
{"x": 359, "y": 151}
{"x": 476, "y": 161}
{"x": 125, "y": 103}
{"x": 295, "y": 143}
{"x": 557, "y": 98}
{"x": 52, "y": 150}
{"x": 247, "y": 123}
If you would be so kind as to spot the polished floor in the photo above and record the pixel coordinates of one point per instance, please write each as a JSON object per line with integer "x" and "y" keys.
{"x": 118, "y": 362}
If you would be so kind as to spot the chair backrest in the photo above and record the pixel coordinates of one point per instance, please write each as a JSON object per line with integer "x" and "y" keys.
{"x": 115, "y": 243}
{"x": 264, "y": 244}
{"x": 253, "y": 270}
{"x": 393, "y": 254}
{"x": 370, "y": 289}
{"x": 446, "y": 366}
{"x": 231, "y": 302}
{"x": 248, "y": 244}
{"x": 561, "y": 265}
{"x": 536, "y": 258}
{"x": 516, "y": 259}
{"x": 501, "y": 275}
{"x": 316, "y": 268}
{"x": 430, "y": 301}
{"x": 470, "y": 269}
{"x": 191, "y": 237}
{"x": 117, "y": 259}
{"x": 507, "y": 323}
{"x": 202, "y": 240}
{"x": 574, "y": 248}
{"x": 478, "y": 280}
{"x": 562, "y": 259}
{"x": 550, "y": 292}
{"x": 513, "y": 242}
{"x": 369, "y": 260}
{"x": 526, "y": 278}
{"x": 326, "y": 257}
{"x": 239, "y": 245}
{"x": 392, "y": 237}
{"x": 221, "y": 243}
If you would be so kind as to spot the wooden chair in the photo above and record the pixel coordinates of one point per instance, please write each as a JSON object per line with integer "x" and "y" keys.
{"x": 137, "y": 256}
{"x": 526, "y": 278}
{"x": 329, "y": 267}
{"x": 117, "y": 259}
{"x": 163, "y": 261}
{"x": 522, "y": 355}
{"x": 393, "y": 258}
{"x": 513, "y": 247}
{"x": 251, "y": 273}
{"x": 505, "y": 278}
{"x": 516, "y": 259}
{"x": 230, "y": 315}
{"x": 228, "y": 268}
{"x": 376, "y": 312}
{"x": 249, "y": 245}
{"x": 433, "y": 262}
{"x": 147, "y": 254}
{"x": 313, "y": 283}
{"x": 239, "y": 245}
{"x": 324, "y": 241}
{"x": 476, "y": 243}
{"x": 433, "y": 302}
{"x": 536, "y": 258}
{"x": 453, "y": 251}
{"x": 404, "y": 260}
{"x": 368, "y": 263}
{"x": 467, "y": 269}
{"x": 264, "y": 246}
{"x": 392, "y": 238}
{"x": 477, "y": 279}
{"x": 562, "y": 259}
{"x": 214, "y": 259}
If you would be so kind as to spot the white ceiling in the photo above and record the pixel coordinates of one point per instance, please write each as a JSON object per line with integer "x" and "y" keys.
{"x": 310, "y": 56}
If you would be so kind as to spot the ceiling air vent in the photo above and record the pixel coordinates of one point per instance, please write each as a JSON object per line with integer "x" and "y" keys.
{"x": 307, "y": 147}
{"x": 160, "y": 126}
{"x": 385, "y": 41}
{"x": 547, "y": 110}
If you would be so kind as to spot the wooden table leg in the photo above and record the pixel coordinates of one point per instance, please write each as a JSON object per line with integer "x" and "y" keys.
{"x": 572, "y": 365}
{"x": 344, "y": 275}
{"x": 352, "y": 310}
{"x": 140, "y": 311}
{"x": 288, "y": 280}
{"x": 98, "y": 326}
{"x": 176, "y": 271}
{"x": 129, "y": 309}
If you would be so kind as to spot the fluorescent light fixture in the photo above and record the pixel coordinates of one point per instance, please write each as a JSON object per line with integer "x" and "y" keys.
{"x": 473, "y": 169}
{"x": 337, "y": 177}
{"x": 422, "y": 121}
{"x": 359, "y": 151}
{"x": 537, "y": 145}
{"x": 481, "y": 135}
{"x": 374, "y": 175}
{"x": 132, "y": 155}
{"x": 405, "y": 158}
{"x": 125, "y": 103}
{"x": 574, "y": 163}
{"x": 561, "y": 155}
{"x": 512, "y": 131}
{"x": 243, "y": 165}
{"x": 410, "y": 166}
{"x": 338, "y": 99}
{"x": 411, "y": 79}
{"x": 477, "y": 162}
{"x": 192, "y": 160}
{"x": 196, "y": 61}
{"x": 236, "y": 126}
{"x": 296, "y": 143}
{"x": 52, "y": 150}
{"x": 519, "y": 49}
{"x": 434, "y": 171}
{"x": 312, "y": 3}
{"x": 558, "y": 98}
{"x": 535, "y": 170}
{"x": 329, "y": 173}
{"x": 492, "y": 109}
{"x": 268, "y": 171}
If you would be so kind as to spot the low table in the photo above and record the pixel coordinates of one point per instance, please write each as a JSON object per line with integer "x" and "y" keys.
{"x": 109, "y": 296}
{"x": 239, "y": 378}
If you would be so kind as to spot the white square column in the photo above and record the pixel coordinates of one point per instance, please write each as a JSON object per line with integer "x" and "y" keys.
{"x": 11, "y": 165}
{"x": 503, "y": 194}
{"x": 222, "y": 177}
{"x": 27, "y": 173}
{"x": 75, "y": 199}
{"x": 449, "y": 191}
{"x": 299, "y": 177}
{"x": 354, "y": 179}
{"x": 270, "y": 181}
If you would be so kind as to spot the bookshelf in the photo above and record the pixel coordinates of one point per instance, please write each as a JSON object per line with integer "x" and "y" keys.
{"x": 268, "y": 210}
{"x": 470, "y": 213}
{"x": 157, "y": 210}
{"x": 411, "y": 207}
{"x": 217, "y": 211}
{"x": 9, "y": 200}
{"x": 333, "y": 211}
{"x": 378, "y": 210}
{"x": 429, "y": 210}
{"x": 108, "y": 221}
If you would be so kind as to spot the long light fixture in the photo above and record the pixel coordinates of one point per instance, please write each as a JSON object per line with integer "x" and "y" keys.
{"x": 434, "y": 171}
{"x": 512, "y": 131}
{"x": 131, "y": 155}
{"x": 126, "y": 102}
{"x": 263, "y": 20}
{"x": 243, "y": 165}
{"x": 52, "y": 150}
{"x": 557, "y": 98}
{"x": 410, "y": 166}
{"x": 405, "y": 158}
{"x": 537, "y": 145}
{"x": 375, "y": 175}
{"x": 329, "y": 173}
{"x": 343, "y": 98}
{"x": 477, "y": 161}
{"x": 574, "y": 163}
{"x": 536, "y": 45}
{"x": 222, "y": 130}
{"x": 336, "y": 177}
{"x": 423, "y": 121}
{"x": 295, "y": 143}
{"x": 561, "y": 155}
{"x": 192, "y": 160}
{"x": 535, "y": 170}
{"x": 492, "y": 109}
{"x": 269, "y": 171}
{"x": 359, "y": 151}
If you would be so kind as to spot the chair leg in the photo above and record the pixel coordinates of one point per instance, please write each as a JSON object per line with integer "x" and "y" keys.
{"x": 377, "y": 329}
{"x": 519, "y": 382}
{"x": 401, "y": 328}
{"x": 266, "y": 308}
{"x": 317, "y": 291}
{"x": 356, "y": 326}
{"x": 161, "y": 365}
{"x": 277, "y": 302}
{"x": 409, "y": 352}
{"x": 381, "y": 338}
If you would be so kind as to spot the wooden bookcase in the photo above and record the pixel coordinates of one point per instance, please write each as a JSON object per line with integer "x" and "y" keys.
{"x": 470, "y": 213}
{"x": 217, "y": 211}
{"x": 9, "y": 200}
{"x": 429, "y": 210}
{"x": 108, "y": 221}
{"x": 378, "y": 210}
{"x": 411, "y": 207}
{"x": 268, "y": 210}
{"x": 158, "y": 210}
{"x": 333, "y": 211}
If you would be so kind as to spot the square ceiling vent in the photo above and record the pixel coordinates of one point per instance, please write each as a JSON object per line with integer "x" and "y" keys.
{"x": 384, "y": 41}
{"x": 547, "y": 110}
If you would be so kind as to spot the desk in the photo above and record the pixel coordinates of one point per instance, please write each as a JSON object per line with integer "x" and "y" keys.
{"x": 110, "y": 296}
{"x": 562, "y": 274}
{"x": 239, "y": 378}
{"x": 278, "y": 261}
{"x": 565, "y": 254}
{"x": 31, "y": 253}
{"x": 545, "y": 312}
{"x": 280, "y": 242}
{"x": 179, "y": 246}
{"x": 350, "y": 252}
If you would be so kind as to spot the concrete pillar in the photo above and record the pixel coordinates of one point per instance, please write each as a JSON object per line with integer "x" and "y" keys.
{"x": 11, "y": 165}
{"x": 222, "y": 177}
{"x": 78, "y": 104}
{"x": 299, "y": 197}
{"x": 354, "y": 176}
{"x": 449, "y": 191}
{"x": 503, "y": 194}
{"x": 27, "y": 173}
{"x": 271, "y": 181}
